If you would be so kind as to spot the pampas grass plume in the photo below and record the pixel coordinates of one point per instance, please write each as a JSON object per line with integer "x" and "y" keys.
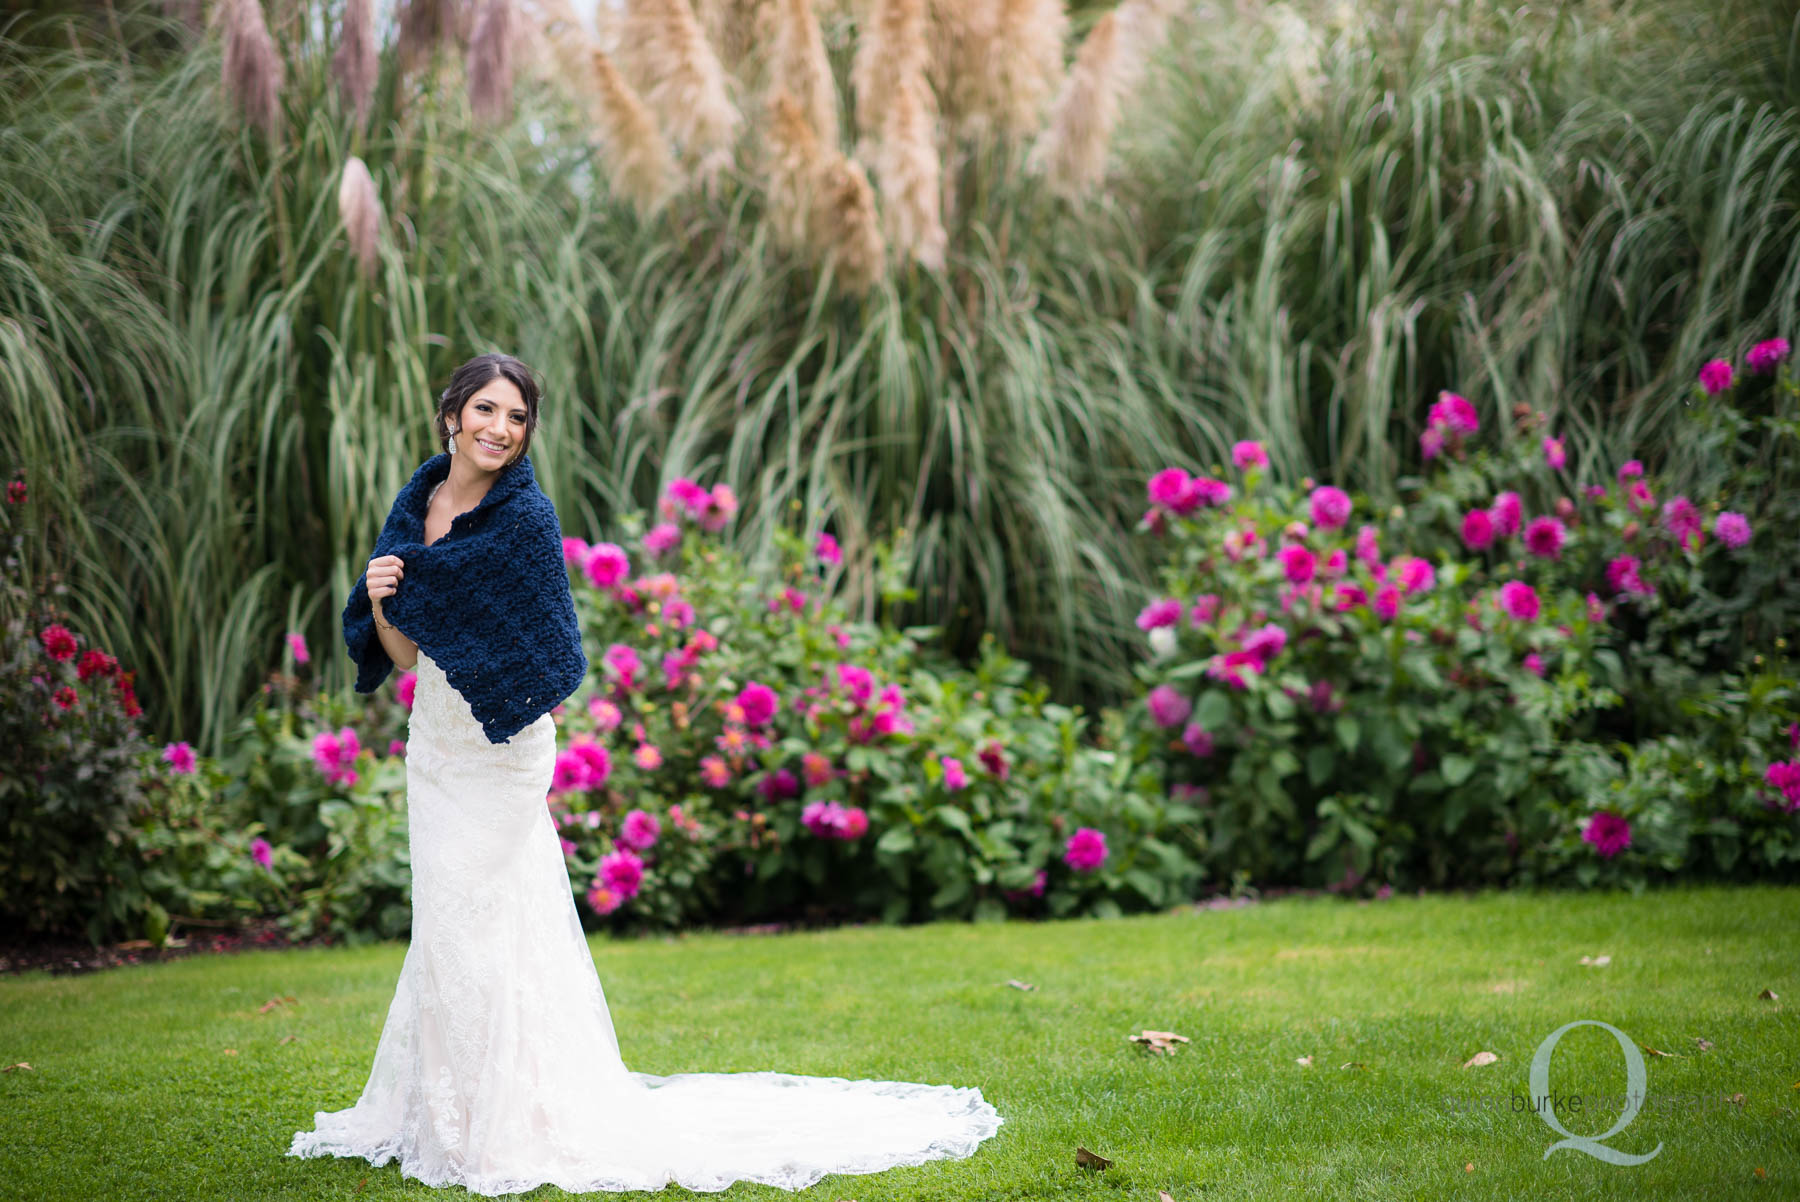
{"x": 643, "y": 169}
{"x": 354, "y": 65}
{"x": 803, "y": 69}
{"x": 252, "y": 69}
{"x": 906, "y": 164}
{"x": 847, "y": 232}
{"x": 891, "y": 47}
{"x": 359, "y": 208}
{"x": 674, "y": 69}
{"x": 490, "y": 62}
{"x": 795, "y": 162}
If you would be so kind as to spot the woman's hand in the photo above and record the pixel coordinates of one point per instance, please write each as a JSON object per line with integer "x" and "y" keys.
{"x": 384, "y": 576}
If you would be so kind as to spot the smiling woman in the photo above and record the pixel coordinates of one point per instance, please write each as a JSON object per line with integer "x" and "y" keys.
{"x": 498, "y": 1068}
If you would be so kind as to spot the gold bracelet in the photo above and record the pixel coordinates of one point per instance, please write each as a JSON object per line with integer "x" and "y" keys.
{"x": 383, "y": 625}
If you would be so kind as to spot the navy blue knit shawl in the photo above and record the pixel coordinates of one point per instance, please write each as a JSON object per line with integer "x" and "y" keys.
{"x": 489, "y": 602}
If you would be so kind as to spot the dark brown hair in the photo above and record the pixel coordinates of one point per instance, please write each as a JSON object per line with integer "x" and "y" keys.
{"x": 469, "y": 379}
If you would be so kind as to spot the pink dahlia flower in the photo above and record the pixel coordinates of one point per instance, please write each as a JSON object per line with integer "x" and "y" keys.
{"x": 1168, "y": 706}
{"x": 1765, "y": 355}
{"x": 1716, "y": 376}
{"x": 1609, "y": 833}
{"x": 1085, "y": 850}
{"x": 1330, "y": 507}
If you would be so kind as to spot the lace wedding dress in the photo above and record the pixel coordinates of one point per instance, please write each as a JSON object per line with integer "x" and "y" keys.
{"x": 498, "y": 1069}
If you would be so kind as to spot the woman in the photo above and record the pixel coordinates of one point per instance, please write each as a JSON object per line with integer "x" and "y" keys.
{"x": 498, "y": 1068}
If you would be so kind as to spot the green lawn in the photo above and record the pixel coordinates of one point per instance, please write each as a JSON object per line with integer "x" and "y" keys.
{"x": 131, "y": 1093}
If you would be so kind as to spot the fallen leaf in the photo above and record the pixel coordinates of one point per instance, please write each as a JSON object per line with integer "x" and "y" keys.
{"x": 21, "y": 1064}
{"x": 1479, "y": 1059}
{"x": 1022, "y": 985}
{"x": 277, "y": 1001}
{"x": 1304, "y": 1061}
{"x": 286, "y": 1039}
{"x": 1353, "y": 1064}
{"x": 1762, "y": 1174}
{"x": 1654, "y": 1051}
{"x": 1596, "y": 961}
{"x": 1705, "y": 1044}
{"x": 1088, "y": 1160}
{"x": 1158, "y": 1041}
{"x": 1470, "y": 1167}
{"x": 1737, "y": 1099}
{"x": 231, "y": 1051}
{"x": 1768, "y": 995}
{"x": 1162, "y": 1195}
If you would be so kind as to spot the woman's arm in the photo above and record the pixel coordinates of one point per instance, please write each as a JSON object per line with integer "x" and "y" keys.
{"x": 402, "y": 650}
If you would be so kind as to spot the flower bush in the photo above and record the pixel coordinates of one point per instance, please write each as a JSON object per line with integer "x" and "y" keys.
{"x": 72, "y": 771}
{"x": 777, "y": 759}
{"x": 1476, "y": 687}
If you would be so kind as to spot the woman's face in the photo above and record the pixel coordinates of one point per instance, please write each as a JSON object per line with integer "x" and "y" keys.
{"x": 493, "y": 424}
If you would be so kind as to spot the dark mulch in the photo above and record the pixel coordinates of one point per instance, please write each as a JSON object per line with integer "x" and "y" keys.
{"x": 62, "y": 956}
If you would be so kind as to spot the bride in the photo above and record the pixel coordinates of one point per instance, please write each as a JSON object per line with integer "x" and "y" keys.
{"x": 497, "y": 1068}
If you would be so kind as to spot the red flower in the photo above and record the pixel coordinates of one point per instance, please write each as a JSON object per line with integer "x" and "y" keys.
{"x": 59, "y": 644}
{"x": 15, "y": 493}
{"x": 65, "y": 697}
{"x": 96, "y": 663}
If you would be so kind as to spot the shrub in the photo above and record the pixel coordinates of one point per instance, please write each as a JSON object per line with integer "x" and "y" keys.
{"x": 71, "y": 773}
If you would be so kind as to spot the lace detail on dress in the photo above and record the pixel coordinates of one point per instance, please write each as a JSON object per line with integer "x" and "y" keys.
{"x": 498, "y": 1068}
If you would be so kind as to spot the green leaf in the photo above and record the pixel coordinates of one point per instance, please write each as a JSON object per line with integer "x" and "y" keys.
{"x": 1319, "y": 762}
{"x": 1349, "y": 732}
{"x": 1457, "y": 768}
{"x": 1214, "y": 710}
{"x": 896, "y": 840}
{"x": 990, "y": 909}
{"x": 1279, "y": 704}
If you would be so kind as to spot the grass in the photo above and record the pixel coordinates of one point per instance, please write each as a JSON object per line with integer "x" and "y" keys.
{"x": 131, "y": 1094}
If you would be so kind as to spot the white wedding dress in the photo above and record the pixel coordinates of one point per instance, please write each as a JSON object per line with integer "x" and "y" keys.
{"x": 498, "y": 1069}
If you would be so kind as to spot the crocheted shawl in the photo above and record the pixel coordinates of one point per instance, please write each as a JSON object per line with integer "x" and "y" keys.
{"x": 489, "y": 602}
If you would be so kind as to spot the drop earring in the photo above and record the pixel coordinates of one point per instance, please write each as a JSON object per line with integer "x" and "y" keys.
{"x": 450, "y": 443}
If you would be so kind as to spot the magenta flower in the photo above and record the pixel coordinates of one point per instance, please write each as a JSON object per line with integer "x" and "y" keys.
{"x": 574, "y": 550}
{"x": 1785, "y": 779}
{"x": 1085, "y": 850}
{"x": 1455, "y": 414}
{"x": 1609, "y": 833}
{"x": 1681, "y": 518}
{"x": 1414, "y": 575}
{"x": 1507, "y": 511}
{"x": 721, "y": 506}
{"x": 1478, "y": 529}
{"x": 261, "y": 852}
{"x": 396, "y": 747}
{"x": 856, "y": 683}
{"x": 827, "y": 549}
{"x": 714, "y": 773}
{"x": 1198, "y": 740}
{"x": 179, "y": 757}
{"x": 1765, "y": 355}
{"x": 1534, "y": 663}
{"x": 1168, "y": 706}
{"x": 684, "y": 498}
{"x": 647, "y": 757}
{"x": 297, "y": 647}
{"x": 1266, "y": 642}
{"x": 59, "y": 643}
{"x": 1623, "y": 575}
{"x": 1554, "y": 453}
{"x": 1206, "y": 608}
{"x": 1594, "y": 492}
{"x": 1631, "y": 469}
{"x": 1368, "y": 545}
{"x": 1165, "y": 612}
{"x": 1519, "y": 601}
{"x": 1544, "y": 537}
{"x": 1331, "y": 506}
{"x": 662, "y": 538}
{"x": 1732, "y": 529}
{"x": 1716, "y": 377}
{"x": 1596, "y": 609}
{"x": 621, "y": 660}
{"x": 335, "y": 755}
{"x": 622, "y": 872}
{"x": 65, "y": 697}
{"x": 640, "y": 830}
{"x": 1387, "y": 603}
{"x": 605, "y": 714}
{"x": 759, "y": 703}
{"x": 779, "y": 785}
{"x": 605, "y": 564}
{"x": 833, "y": 820}
{"x": 1298, "y": 563}
{"x": 955, "y": 777}
{"x": 15, "y": 492}
{"x": 407, "y": 688}
{"x": 1431, "y": 443}
{"x": 1247, "y": 454}
{"x": 1172, "y": 489}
